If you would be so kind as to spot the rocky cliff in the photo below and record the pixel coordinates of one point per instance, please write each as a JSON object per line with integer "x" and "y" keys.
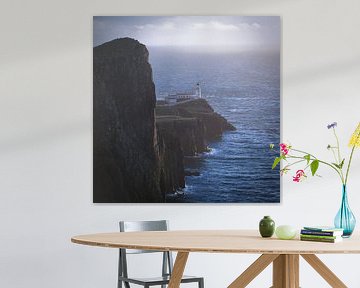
{"x": 171, "y": 162}
{"x": 210, "y": 124}
{"x": 126, "y": 160}
{"x": 137, "y": 157}
{"x": 189, "y": 132}
{"x": 185, "y": 129}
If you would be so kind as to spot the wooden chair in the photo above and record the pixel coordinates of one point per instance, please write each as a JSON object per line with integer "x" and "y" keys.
{"x": 167, "y": 262}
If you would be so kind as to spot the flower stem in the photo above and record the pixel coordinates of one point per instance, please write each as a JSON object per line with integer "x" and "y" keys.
{"x": 348, "y": 168}
{"x": 333, "y": 152}
{"x": 296, "y": 162}
{"x": 337, "y": 144}
{"x": 339, "y": 155}
{"x": 323, "y": 162}
{"x": 300, "y": 151}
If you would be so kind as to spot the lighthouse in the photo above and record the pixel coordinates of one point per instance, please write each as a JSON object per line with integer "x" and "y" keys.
{"x": 174, "y": 98}
{"x": 198, "y": 90}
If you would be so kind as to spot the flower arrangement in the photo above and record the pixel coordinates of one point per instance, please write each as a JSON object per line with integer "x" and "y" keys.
{"x": 294, "y": 156}
{"x": 344, "y": 219}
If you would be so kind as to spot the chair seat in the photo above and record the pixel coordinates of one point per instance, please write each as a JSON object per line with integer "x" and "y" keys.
{"x": 167, "y": 262}
{"x": 158, "y": 280}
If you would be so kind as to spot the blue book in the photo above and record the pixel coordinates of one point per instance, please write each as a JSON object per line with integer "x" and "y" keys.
{"x": 322, "y": 231}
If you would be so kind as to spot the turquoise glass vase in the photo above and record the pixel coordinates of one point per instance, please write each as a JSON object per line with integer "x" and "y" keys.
{"x": 345, "y": 219}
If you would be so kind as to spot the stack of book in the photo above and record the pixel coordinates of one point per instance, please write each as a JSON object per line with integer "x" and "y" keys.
{"x": 321, "y": 234}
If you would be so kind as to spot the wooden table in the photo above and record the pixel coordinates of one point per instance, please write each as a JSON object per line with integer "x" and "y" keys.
{"x": 284, "y": 254}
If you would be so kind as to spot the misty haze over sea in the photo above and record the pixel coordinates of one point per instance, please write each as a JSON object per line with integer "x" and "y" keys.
{"x": 244, "y": 87}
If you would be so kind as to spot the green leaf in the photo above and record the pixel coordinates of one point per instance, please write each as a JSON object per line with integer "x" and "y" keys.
{"x": 336, "y": 165}
{"x": 314, "y": 166}
{"x": 342, "y": 163}
{"x": 339, "y": 166}
{"x": 307, "y": 157}
{"x": 276, "y": 162}
{"x": 272, "y": 146}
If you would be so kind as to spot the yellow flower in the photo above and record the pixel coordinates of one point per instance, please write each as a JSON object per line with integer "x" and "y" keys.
{"x": 355, "y": 137}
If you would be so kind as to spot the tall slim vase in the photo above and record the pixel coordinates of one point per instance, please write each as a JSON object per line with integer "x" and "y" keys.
{"x": 345, "y": 219}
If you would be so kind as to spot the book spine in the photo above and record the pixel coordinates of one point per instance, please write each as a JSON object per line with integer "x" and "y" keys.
{"x": 320, "y": 233}
{"x": 317, "y": 239}
{"x": 318, "y": 236}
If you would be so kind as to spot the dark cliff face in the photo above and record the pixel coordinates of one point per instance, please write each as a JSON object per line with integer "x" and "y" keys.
{"x": 190, "y": 133}
{"x": 138, "y": 158}
{"x": 177, "y": 137}
{"x": 213, "y": 124}
{"x": 184, "y": 129}
{"x": 126, "y": 160}
{"x": 171, "y": 162}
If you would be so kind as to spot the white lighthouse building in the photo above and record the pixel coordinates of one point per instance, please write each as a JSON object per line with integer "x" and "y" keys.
{"x": 198, "y": 90}
{"x": 184, "y": 96}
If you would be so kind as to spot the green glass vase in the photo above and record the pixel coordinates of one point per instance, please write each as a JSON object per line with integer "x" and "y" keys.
{"x": 266, "y": 227}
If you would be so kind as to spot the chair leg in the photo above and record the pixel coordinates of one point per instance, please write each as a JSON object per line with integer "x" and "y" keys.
{"x": 201, "y": 283}
{"x": 120, "y": 273}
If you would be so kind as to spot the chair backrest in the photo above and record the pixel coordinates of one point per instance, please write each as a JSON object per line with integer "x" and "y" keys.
{"x": 135, "y": 226}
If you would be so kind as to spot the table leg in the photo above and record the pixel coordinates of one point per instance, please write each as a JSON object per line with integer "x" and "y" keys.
{"x": 324, "y": 271}
{"x": 178, "y": 269}
{"x": 286, "y": 271}
{"x": 253, "y": 270}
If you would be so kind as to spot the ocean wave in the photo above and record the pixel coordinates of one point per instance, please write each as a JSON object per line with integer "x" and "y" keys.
{"x": 212, "y": 151}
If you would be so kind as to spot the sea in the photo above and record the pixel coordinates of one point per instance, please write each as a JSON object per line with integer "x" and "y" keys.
{"x": 244, "y": 87}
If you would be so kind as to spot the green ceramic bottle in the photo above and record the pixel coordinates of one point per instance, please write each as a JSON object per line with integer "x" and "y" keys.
{"x": 266, "y": 226}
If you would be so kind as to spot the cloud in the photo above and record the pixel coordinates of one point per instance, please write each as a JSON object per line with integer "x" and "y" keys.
{"x": 210, "y": 25}
{"x": 219, "y": 26}
{"x": 198, "y": 26}
{"x": 190, "y": 30}
{"x": 199, "y": 31}
{"x": 224, "y": 27}
{"x": 215, "y": 26}
{"x": 162, "y": 26}
{"x": 256, "y": 25}
{"x": 249, "y": 27}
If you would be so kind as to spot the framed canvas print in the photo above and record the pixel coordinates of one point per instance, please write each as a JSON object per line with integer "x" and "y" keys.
{"x": 184, "y": 109}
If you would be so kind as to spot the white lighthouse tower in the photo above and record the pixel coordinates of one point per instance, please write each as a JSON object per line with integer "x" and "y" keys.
{"x": 198, "y": 90}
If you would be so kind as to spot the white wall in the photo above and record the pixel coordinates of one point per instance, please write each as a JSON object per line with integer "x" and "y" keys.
{"x": 46, "y": 138}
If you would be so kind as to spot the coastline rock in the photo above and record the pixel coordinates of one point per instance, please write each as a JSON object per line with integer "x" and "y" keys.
{"x": 214, "y": 124}
{"x": 139, "y": 157}
{"x": 126, "y": 160}
{"x": 192, "y": 173}
{"x": 189, "y": 132}
{"x": 184, "y": 129}
{"x": 171, "y": 162}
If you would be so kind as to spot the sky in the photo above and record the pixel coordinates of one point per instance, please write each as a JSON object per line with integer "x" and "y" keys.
{"x": 241, "y": 32}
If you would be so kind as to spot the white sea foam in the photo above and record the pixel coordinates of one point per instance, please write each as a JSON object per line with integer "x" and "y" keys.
{"x": 212, "y": 151}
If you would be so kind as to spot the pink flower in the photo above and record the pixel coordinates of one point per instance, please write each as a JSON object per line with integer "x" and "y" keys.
{"x": 284, "y": 148}
{"x": 300, "y": 175}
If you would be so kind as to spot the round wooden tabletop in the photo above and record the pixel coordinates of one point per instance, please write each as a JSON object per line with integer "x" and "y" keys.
{"x": 219, "y": 241}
